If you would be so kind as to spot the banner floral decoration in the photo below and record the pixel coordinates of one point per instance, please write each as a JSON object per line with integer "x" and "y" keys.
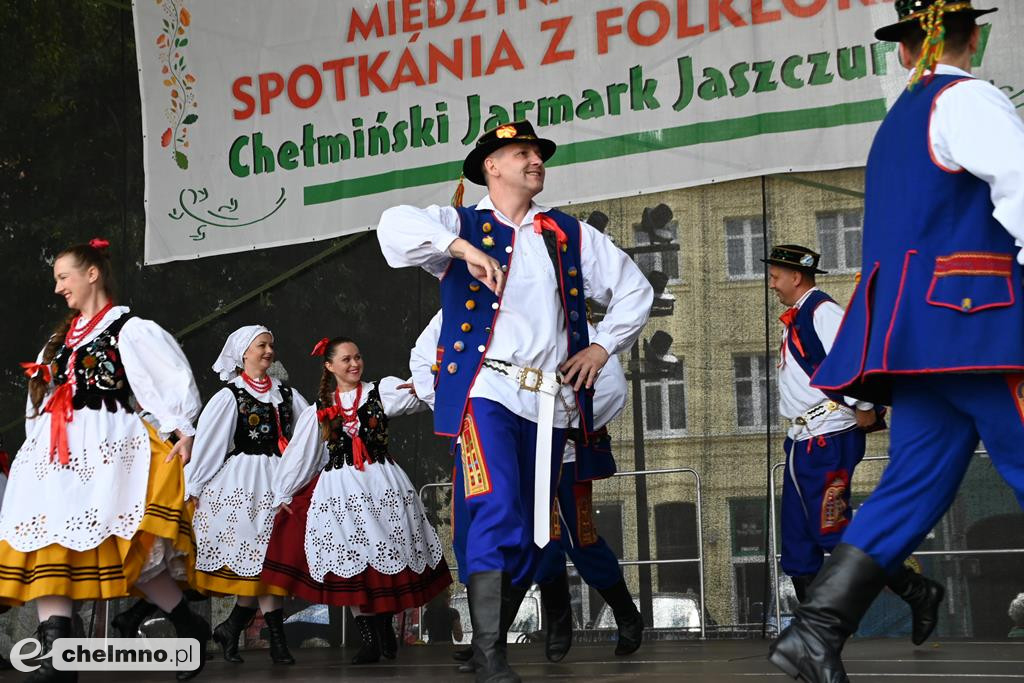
{"x": 177, "y": 78}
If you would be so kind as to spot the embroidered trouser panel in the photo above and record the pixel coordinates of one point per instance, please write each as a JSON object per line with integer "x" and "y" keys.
{"x": 816, "y": 497}
{"x": 497, "y": 463}
{"x": 590, "y": 554}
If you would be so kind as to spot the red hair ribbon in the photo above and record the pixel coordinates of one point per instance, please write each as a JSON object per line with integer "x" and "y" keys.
{"x": 321, "y": 347}
{"x": 327, "y": 414}
{"x": 41, "y": 369}
{"x": 5, "y": 464}
{"x": 542, "y": 221}
{"x": 99, "y": 243}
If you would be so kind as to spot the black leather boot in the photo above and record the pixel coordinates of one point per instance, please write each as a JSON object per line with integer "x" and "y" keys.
{"x": 627, "y": 618}
{"x": 369, "y": 653}
{"x": 388, "y": 638}
{"x": 554, "y": 596}
{"x": 510, "y": 604}
{"x": 800, "y": 585}
{"x": 924, "y": 597}
{"x": 494, "y": 607}
{"x": 187, "y": 624}
{"x": 47, "y": 632}
{"x": 127, "y": 623}
{"x": 227, "y": 632}
{"x": 279, "y": 653}
{"x": 842, "y": 592}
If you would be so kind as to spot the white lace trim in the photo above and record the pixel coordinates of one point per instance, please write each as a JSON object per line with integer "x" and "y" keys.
{"x": 384, "y": 527}
{"x": 99, "y": 493}
{"x": 233, "y": 522}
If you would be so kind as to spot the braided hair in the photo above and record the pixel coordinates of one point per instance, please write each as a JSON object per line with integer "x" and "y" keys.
{"x": 86, "y": 256}
{"x": 327, "y": 381}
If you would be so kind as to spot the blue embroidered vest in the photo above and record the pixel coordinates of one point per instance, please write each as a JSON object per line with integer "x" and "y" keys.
{"x": 803, "y": 330}
{"x": 941, "y": 287}
{"x": 470, "y": 310}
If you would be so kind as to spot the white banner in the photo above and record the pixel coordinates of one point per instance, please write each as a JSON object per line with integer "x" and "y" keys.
{"x": 270, "y": 122}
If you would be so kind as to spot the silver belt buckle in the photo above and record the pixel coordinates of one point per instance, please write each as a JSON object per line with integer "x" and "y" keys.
{"x": 531, "y": 379}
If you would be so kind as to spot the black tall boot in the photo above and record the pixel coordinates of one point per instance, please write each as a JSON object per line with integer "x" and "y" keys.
{"x": 47, "y": 632}
{"x": 801, "y": 584}
{"x": 924, "y": 597}
{"x": 279, "y": 653}
{"x": 627, "y": 618}
{"x": 388, "y": 638}
{"x": 554, "y": 596}
{"x": 843, "y": 591}
{"x": 493, "y": 600}
{"x": 369, "y": 653}
{"x": 510, "y": 604}
{"x": 187, "y": 624}
{"x": 227, "y": 632}
{"x": 127, "y": 623}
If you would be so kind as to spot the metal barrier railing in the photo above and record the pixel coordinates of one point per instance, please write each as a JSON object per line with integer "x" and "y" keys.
{"x": 699, "y": 560}
{"x": 776, "y": 555}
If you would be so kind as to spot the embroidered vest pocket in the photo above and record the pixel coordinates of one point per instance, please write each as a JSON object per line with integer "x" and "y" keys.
{"x": 974, "y": 281}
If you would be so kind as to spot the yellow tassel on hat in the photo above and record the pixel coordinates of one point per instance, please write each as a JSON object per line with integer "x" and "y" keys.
{"x": 460, "y": 192}
{"x": 934, "y": 37}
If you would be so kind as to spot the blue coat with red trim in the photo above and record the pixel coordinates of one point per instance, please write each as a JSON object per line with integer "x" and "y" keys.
{"x": 940, "y": 287}
{"x": 470, "y": 309}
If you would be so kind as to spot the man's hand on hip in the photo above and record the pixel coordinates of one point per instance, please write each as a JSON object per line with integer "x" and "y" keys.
{"x": 866, "y": 418}
{"x": 584, "y": 367}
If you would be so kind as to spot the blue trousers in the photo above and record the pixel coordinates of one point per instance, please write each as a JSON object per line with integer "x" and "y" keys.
{"x": 460, "y": 518}
{"x": 497, "y": 461}
{"x": 816, "y": 497}
{"x": 937, "y": 421}
{"x": 578, "y": 537}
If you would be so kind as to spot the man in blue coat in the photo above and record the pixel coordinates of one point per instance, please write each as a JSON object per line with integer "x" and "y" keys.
{"x": 826, "y": 438}
{"x": 935, "y": 327}
{"x": 516, "y": 361}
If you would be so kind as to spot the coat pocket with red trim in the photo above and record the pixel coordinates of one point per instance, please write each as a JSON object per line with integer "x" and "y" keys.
{"x": 974, "y": 281}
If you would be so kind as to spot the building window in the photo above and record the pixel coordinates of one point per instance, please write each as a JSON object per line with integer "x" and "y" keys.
{"x": 747, "y": 516}
{"x": 675, "y": 536}
{"x": 752, "y": 396}
{"x": 840, "y": 236}
{"x": 664, "y": 407}
{"x": 608, "y": 518}
{"x": 666, "y": 261}
{"x": 744, "y": 247}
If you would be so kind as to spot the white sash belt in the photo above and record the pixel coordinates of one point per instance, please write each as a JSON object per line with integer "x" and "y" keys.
{"x": 546, "y": 385}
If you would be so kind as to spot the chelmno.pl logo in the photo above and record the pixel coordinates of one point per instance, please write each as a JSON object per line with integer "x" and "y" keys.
{"x": 109, "y": 654}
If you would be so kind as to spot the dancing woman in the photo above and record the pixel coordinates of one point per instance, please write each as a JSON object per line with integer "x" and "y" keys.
{"x": 357, "y": 533}
{"x": 94, "y": 503}
{"x": 241, "y": 435}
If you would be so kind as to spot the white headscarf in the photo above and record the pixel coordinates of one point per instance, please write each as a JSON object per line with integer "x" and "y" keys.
{"x": 230, "y": 358}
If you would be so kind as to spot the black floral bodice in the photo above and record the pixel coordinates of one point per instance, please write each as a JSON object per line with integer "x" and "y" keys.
{"x": 373, "y": 430}
{"x": 256, "y": 425}
{"x": 99, "y": 376}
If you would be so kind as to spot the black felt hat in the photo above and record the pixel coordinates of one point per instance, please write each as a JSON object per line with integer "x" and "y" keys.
{"x": 910, "y": 11}
{"x": 795, "y": 257}
{"x": 517, "y": 131}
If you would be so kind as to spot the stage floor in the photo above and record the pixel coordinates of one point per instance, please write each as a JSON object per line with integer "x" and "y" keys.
{"x": 709, "y": 662}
